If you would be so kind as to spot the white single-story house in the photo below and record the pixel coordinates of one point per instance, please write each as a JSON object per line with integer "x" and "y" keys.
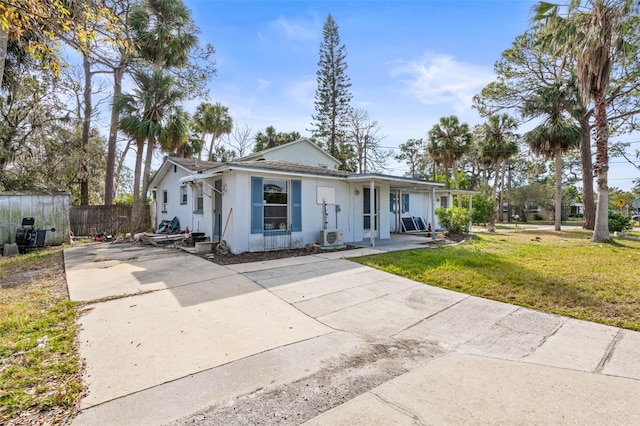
{"x": 287, "y": 197}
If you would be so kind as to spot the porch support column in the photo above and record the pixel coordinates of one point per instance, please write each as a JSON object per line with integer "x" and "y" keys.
{"x": 433, "y": 211}
{"x": 373, "y": 214}
{"x": 470, "y": 207}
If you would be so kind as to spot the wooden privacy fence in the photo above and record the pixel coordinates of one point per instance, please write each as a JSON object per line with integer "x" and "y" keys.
{"x": 115, "y": 219}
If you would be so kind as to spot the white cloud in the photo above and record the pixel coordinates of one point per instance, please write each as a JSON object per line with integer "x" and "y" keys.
{"x": 263, "y": 84}
{"x": 440, "y": 79}
{"x": 296, "y": 29}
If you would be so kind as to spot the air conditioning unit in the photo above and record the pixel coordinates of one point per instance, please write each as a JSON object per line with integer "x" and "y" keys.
{"x": 331, "y": 237}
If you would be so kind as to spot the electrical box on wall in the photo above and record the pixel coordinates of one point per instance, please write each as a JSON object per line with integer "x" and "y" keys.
{"x": 325, "y": 195}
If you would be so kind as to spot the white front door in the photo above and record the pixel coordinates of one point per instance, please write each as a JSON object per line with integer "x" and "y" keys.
{"x": 370, "y": 216}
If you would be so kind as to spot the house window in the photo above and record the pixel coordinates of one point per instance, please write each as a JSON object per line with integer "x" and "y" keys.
{"x": 405, "y": 203}
{"x": 275, "y": 205}
{"x": 199, "y": 206}
{"x": 444, "y": 201}
{"x": 183, "y": 195}
{"x": 165, "y": 201}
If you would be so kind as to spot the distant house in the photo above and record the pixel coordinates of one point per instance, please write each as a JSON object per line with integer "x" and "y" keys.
{"x": 289, "y": 196}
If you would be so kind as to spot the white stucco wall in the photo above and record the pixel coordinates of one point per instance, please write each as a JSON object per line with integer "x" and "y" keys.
{"x": 184, "y": 212}
{"x": 420, "y": 205}
{"x": 349, "y": 218}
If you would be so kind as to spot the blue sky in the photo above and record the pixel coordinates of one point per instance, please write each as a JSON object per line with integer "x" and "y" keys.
{"x": 410, "y": 62}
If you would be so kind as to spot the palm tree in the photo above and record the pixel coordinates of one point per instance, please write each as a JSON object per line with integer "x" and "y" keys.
{"x": 143, "y": 117}
{"x": 448, "y": 141}
{"x": 594, "y": 32}
{"x": 554, "y": 137}
{"x": 498, "y": 143}
{"x": 178, "y": 140}
{"x": 163, "y": 34}
{"x": 163, "y": 31}
{"x": 265, "y": 140}
{"x": 213, "y": 120}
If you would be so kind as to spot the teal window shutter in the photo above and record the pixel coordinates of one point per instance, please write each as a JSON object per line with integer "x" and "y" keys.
{"x": 296, "y": 206}
{"x": 257, "y": 210}
{"x": 405, "y": 203}
{"x": 392, "y": 201}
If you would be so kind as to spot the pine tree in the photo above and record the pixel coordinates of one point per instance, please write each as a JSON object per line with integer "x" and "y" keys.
{"x": 333, "y": 95}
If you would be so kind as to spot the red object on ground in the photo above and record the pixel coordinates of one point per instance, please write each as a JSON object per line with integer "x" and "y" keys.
{"x": 186, "y": 232}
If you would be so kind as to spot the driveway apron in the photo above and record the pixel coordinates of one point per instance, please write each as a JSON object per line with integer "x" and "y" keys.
{"x": 181, "y": 315}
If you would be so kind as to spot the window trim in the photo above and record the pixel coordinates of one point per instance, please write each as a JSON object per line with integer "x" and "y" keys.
{"x": 198, "y": 199}
{"x": 258, "y": 204}
{"x": 184, "y": 198}
{"x": 165, "y": 200}
{"x": 405, "y": 203}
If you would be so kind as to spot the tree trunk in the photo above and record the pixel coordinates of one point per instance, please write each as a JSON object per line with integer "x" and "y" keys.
{"x": 589, "y": 219}
{"x": 135, "y": 208}
{"x": 447, "y": 177}
{"x": 120, "y": 165}
{"x": 112, "y": 144}
{"x": 501, "y": 204}
{"x": 210, "y": 155}
{"x": 457, "y": 183}
{"x": 86, "y": 128}
{"x": 558, "y": 197}
{"x": 601, "y": 167}
{"x": 146, "y": 178}
{"x": 4, "y": 41}
{"x": 494, "y": 192}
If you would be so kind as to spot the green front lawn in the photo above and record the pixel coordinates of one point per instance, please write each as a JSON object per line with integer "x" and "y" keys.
{"x": 38, "y": 384}
{"x": 557, "y": 272}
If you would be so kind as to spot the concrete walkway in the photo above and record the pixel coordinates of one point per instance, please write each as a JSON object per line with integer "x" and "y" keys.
{"x": 170, "y": 337}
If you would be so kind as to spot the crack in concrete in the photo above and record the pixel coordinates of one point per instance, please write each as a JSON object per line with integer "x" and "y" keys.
{"x": 609, "y": 352}
{"x": 431, "y": 316}
{"x": 545, "y": 338}
{"x": 406, "y": 411}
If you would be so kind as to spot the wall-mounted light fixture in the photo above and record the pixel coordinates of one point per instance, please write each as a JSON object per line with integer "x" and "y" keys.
{"x": 357, "y": 192}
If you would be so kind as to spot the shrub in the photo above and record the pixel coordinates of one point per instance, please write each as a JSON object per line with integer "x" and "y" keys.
{"x": 618, "y": 222}
{"x": 537, "y": 216}
{"x": 454, "y": 220}
{"x": 482, "y": 209}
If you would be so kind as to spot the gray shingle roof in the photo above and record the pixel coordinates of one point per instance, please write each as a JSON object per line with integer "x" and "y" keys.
{"x": 195, "y": 165}
{"x": 286, "y": 166}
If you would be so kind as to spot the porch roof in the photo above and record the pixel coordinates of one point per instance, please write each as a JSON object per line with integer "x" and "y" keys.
{"x": 395, "y": 182}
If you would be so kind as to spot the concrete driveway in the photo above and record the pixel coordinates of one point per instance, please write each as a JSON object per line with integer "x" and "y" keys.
{"x": 171, "y": 338}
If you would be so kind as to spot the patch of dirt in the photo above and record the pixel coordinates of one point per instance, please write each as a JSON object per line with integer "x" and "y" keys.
{"x": 49, "y": 269}
{"x": 443, "y": 239}
{"x": 231, "y": 259}
{"x": 339, "y": 382}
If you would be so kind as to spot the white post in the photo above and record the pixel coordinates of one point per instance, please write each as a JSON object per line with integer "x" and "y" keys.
{"x": 372, "y": 210}
{"x": 433, "y": 210}
{"x": 470, "y": 207}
